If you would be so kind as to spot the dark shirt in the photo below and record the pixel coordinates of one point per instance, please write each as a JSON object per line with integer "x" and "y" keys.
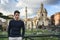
{"x": 14, "y": 28}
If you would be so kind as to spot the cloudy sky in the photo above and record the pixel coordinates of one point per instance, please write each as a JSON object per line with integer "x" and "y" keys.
{"x": 7, "y": 7}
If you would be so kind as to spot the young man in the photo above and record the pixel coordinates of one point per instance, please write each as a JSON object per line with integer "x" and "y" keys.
{"x": 15, "y": 26}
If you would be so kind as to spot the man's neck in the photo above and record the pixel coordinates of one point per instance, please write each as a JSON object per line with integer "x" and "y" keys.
{"x": 17, "y": 19}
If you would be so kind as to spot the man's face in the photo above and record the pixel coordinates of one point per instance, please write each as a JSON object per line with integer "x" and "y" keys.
{"x": 17, "y": 15}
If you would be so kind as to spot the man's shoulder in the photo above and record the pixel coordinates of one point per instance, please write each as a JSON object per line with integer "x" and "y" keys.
{"x": 11, "y": 20}
{"x": 22, "y": 21}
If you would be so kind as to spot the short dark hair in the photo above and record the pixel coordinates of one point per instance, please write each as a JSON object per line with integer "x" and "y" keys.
{"x": 16, "y": 11}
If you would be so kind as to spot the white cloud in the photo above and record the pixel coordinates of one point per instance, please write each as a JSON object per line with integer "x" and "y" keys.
{"x": 5, "y": 12}
{"x": 35, "y": 3}
{"x": 29, "y": 3}
{"x": 32, "y": 16}
{"x": 3, "y": 2}
{"x": 29, "y": 12}
{"x": 56, "y": 6}
{"x": 21, "y": 4}
{"x": 51, "y": 2}
{"x": 11, "y": 5}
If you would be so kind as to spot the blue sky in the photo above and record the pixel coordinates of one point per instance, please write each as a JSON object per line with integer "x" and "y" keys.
{"x": 7, "y": 7}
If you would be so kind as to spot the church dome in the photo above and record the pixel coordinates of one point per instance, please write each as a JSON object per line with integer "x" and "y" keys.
{"x": 44, "y": 10}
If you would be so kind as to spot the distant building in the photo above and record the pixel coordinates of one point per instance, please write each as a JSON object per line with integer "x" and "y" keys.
{"x": 0, "y": 22}
{"x": 11, "y": 16}
{"x": 4, "y": 26}
{"x": 0, "y": 25}
{"x": 55, "y": 19}
{"x": 39, "y": 20}
{"x": 42, "y": 16}
{"x": 29, "y": 23}
{"x": 35, "y": 20}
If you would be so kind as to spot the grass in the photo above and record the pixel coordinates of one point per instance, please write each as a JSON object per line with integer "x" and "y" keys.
{"x": 39, "y": 31}
{"x": 3, "y": 38}
{"x": 39, "y": 38}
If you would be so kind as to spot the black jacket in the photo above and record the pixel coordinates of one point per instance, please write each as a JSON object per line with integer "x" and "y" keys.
{"x": 14, "y": 28}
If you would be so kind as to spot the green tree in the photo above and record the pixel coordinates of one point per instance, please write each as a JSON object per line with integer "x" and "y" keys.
{"x": 1, "y": 14}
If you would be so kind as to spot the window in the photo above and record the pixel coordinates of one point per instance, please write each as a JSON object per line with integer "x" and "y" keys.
{"x": 42, "y": 14}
